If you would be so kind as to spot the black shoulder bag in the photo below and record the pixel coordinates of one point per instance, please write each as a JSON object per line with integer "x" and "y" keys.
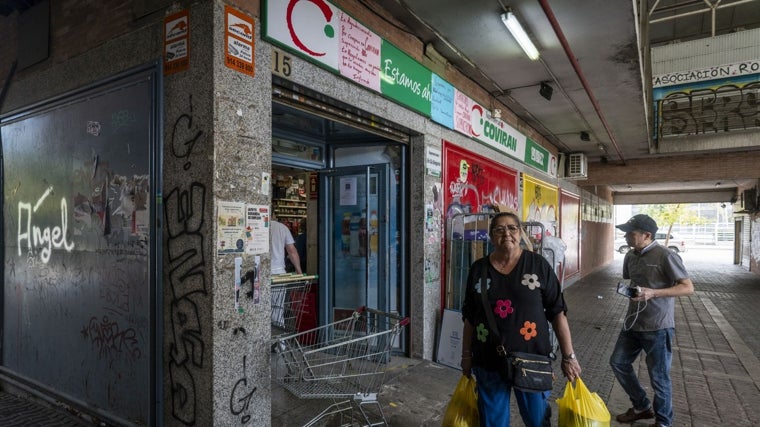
{"x": 525, "y": 371}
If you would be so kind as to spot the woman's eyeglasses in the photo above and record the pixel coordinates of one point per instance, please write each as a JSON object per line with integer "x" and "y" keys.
{"x": 500, "y": 231}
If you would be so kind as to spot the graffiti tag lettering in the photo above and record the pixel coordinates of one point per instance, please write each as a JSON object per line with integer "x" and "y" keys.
{"x": 46, "y": 238}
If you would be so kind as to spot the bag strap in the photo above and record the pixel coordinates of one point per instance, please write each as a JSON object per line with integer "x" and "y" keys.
{"x": 500, "y": 349}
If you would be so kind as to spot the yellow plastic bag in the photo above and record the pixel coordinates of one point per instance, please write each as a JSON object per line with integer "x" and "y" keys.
{"x": 578, "y": 407}
{"x": 463, "y": 406}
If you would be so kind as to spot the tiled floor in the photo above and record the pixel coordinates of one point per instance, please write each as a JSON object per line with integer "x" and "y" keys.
{"x": 716, "y": 373}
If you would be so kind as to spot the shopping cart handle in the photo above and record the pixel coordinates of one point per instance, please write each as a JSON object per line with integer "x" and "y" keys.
{"x": 361, "y": 309}
{"x": 404, "y": 321}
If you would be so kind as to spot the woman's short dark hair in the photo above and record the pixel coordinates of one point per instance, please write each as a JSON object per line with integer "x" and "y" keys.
{"x": 502, "y": 215}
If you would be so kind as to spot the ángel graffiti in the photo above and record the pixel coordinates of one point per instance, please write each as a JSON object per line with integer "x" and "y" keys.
{"x": 46, "y": 238}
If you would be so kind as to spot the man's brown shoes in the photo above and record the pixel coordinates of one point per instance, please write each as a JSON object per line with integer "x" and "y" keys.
{"x": 632, "y": 415}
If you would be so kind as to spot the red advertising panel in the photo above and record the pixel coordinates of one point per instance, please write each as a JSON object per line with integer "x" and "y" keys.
{"x": 570, "y": 215}
{"x": 472, "y": 183}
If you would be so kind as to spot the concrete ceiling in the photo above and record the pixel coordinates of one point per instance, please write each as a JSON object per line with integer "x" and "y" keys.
{"x": 589, "y": 54}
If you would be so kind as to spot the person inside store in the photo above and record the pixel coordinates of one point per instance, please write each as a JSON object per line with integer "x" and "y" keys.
{"x": 657, "y": 275}
{"x": 282, "y": 244}
{"x": 300, "y": 242}
{"x": 524, "y": 292}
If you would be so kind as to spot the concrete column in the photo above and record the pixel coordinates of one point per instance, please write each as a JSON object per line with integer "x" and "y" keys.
{"x": 425, "y": 249}
{"x": 217, "y": 147}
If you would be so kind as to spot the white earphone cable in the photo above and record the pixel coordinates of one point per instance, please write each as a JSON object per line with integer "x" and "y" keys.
{"x": 634, "y": 315}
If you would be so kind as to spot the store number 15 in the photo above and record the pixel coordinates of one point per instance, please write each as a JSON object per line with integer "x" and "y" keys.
{"x": 280, "y": 63}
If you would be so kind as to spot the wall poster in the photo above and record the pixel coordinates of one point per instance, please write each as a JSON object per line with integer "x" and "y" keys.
{"x": 473, "y": 183}
{"x": 231, "y": 217}
{"x": 540, "y": 204}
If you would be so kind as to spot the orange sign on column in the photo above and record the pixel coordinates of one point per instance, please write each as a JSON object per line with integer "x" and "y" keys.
{"x": 176, "y": 42}
{"x": 238, "y": 46}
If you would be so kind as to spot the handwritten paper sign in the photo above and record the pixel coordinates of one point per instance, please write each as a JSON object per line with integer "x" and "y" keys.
{"x": 359, "y": 53}
{"x": 442, "y": 102}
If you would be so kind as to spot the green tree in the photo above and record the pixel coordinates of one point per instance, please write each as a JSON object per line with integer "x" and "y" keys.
{"x": 667, "y": 215}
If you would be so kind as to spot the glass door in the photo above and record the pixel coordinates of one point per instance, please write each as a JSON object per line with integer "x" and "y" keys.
{"x": 356, "y": 270}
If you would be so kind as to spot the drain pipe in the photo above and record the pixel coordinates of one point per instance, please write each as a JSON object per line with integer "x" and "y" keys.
{"x": 571, "y": 57}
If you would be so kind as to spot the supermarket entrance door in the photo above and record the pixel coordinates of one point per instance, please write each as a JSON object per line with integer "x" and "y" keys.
{"x": 361, "y": 226}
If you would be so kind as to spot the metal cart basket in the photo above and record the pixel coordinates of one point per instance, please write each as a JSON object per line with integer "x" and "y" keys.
{"x": 289, "y": 293}
{"x": 344, "y": 361}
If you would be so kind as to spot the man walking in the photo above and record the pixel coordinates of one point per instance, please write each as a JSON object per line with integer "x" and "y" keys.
{"x": 658, "y": 276}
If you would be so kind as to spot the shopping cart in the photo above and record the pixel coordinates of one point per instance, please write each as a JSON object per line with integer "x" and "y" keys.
{"x": 344, "y": 361}
{"x": 289, "y": 297}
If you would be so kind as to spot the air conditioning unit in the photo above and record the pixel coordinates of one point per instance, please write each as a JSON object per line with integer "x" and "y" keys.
{"x": 577, "y": 165}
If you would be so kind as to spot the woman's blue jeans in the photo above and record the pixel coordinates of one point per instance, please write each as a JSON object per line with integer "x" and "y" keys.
{"x": 493, "y": 402}
{"x": 657, "y": 345}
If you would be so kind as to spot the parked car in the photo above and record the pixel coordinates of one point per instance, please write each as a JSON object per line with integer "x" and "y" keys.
{"x": 675, "y": 243}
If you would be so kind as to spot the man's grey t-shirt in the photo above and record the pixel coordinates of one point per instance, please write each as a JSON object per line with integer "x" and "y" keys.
{"x": 654, "y": 267}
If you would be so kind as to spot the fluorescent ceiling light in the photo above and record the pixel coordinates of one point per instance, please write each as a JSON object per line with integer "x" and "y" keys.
{"x": 514, "y": 27}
